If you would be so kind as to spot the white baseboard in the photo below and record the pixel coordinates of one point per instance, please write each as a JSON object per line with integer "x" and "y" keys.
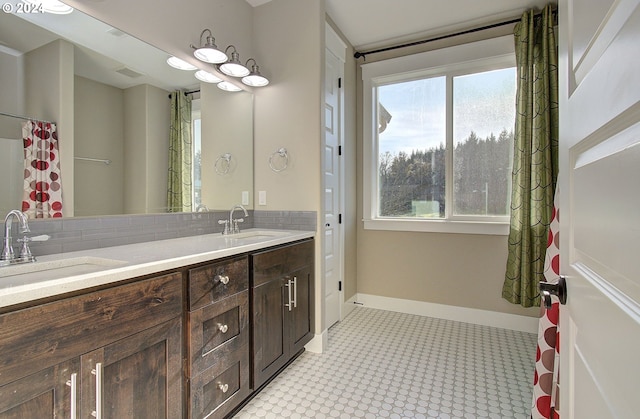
{"x": 318, "y": 343}
{"x": 349, "y": 306}
{"x": 441, "y": 311}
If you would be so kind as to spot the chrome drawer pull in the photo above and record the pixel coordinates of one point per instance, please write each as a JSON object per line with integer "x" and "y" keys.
{"x": 289, "y": 286}
{"x": 73, "y": 383}
{"x": 295, "y": 291}
{"x": 223, "y": 387}
{"x": 224, "y": 279}
{"x": 223, "y": 328}
{"x": 97, "y": 371}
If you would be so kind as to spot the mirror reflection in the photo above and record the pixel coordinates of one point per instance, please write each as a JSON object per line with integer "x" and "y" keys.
{"x": 109, "y": 96}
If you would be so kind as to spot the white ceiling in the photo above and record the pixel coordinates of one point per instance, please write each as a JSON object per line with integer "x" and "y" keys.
{"x": 369, "y": 24}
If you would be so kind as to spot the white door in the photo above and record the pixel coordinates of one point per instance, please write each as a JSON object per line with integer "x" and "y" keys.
{"x": 333, "y": 272}
{"x": 600, "y": 208}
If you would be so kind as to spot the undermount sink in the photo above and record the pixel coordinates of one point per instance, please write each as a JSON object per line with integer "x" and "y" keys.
{"x": 69, "y": 266}
{"x": 256, "y": 234}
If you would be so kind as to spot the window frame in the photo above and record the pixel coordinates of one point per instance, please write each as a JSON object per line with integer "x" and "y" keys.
{"x": 475, "y": 57}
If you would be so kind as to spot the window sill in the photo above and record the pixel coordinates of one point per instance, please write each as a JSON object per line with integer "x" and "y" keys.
{"x": 438, "y": 226}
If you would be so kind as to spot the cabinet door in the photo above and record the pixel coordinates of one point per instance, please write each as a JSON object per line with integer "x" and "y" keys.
{"x": 48, "y": 394}
{"x": 139, "y": 377}
{"x": 301, "y": 315}
{"x": 270, "y": 340}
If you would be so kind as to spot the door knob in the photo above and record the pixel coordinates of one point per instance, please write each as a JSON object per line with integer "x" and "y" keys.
{"x": 547, "y": 289}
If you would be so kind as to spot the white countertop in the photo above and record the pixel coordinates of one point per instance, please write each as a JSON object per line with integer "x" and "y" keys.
{"x": 73, "y": 271}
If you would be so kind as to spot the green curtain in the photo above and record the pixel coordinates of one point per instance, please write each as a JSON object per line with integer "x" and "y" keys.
{"x": 180, "y": 154}
{"x": 535, "y": 159}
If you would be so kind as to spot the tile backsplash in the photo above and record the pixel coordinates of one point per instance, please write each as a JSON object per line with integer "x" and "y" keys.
{"x": 82, "y": 233}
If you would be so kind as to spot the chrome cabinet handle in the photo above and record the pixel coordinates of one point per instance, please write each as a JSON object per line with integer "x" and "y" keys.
{"x": 73, "y": 383}
{"x": 295, "y": 291}
{"x": 97, "y": 371}
{"x": 224, "y": 279}
{"x": 223, "y": 387}
{"x": 289, "y": 289}
{"x": 223, "y": 328}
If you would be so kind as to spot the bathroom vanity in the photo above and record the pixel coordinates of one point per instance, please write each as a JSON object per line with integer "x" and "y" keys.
{"x": 182, "y": 328}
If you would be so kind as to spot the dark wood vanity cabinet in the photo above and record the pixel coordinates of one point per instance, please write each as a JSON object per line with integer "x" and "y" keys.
{"x": 117, "y": 351}
{"x": 282, "y": 312}
{"x": 178, "y": 345}
{"x": 218, "y": 341}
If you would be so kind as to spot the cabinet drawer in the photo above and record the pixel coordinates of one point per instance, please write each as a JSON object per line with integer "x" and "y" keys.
{"x": 45, "y": 335}
{"x": 207, "y": 283}
{"x": 278, "y": 262}
{"x": 218, "y": 330}
{"x": 218, "y": 390}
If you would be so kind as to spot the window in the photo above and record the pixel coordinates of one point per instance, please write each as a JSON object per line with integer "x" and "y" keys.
{"x": 438, "y": 140}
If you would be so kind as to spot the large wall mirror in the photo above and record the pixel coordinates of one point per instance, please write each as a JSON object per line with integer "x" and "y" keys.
{"x": 114, "y": 111}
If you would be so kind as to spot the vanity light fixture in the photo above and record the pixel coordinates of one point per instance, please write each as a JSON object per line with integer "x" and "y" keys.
{"x": 49, "y": 6}
{"x": 180, "y": 64}
{"x": 229, "y": 87}
{"x": 254, "y": 78}
{"x": 234, "y": 67}
{"x": 209, "y": 52}
{"x": 207, "y": 77}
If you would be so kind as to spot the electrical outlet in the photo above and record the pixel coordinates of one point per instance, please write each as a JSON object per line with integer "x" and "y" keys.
{"x": 245, "y": 197}
{"x": 262, "y": 198}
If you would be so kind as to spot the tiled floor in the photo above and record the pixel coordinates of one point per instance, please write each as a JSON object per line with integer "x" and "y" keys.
{"x": 382, "y": 364}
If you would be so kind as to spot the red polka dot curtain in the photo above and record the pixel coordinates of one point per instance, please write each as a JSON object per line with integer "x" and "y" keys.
{"x": 42, "y": 196}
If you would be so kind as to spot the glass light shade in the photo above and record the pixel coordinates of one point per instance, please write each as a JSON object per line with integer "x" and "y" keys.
{"x": 176, "y": 62}
{"x": 254, "y": 78}
{"x": 229, "y": 87}
{"x": 207, "y": 77}
{"x": 234, "y": 67}
{"x": 51, "y": 6}
{"x": 209, "y": 54}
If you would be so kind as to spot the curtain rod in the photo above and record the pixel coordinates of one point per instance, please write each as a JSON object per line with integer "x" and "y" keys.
{"x": 451, "y": 35}
{"x": 188, "y": 93}
{"x": 26, "y": 118}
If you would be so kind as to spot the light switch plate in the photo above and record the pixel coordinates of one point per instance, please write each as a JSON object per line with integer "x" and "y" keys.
{"x": 245, "y": 197}
{"x": 262, "y": 198}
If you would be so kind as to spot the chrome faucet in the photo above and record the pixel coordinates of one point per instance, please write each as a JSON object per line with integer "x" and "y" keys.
{"x": 7, "y": 251}
{"x": 231, "y": 225}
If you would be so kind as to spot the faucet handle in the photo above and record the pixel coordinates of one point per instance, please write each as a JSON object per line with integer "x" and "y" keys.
{"x": 236, "y": 228}
{"x": 25, "y": 252}
{"x": 226, "y": 226}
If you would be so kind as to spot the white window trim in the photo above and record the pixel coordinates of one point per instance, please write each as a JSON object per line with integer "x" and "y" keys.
{"x": 485, "y": 54}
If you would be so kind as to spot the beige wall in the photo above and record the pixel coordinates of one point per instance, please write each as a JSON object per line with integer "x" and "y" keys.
{"x": 12, "y": 97}
{"x": 227, "y": 127}
{"x": 49, "y": 95}
{"x": 128, "y": 127}
{"x": 99, "y": 131}
{"x": 289, "y": 45}
{"x": 146, "y": 149}
{"x": 173, "y": 26}
{"x": 158, "y": 113}
{"x": 454, "y": 269}
{"x": 11, "y": 101}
